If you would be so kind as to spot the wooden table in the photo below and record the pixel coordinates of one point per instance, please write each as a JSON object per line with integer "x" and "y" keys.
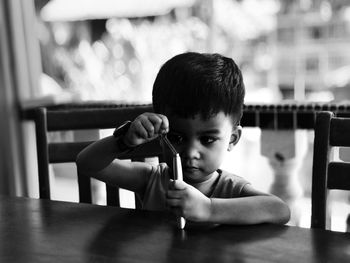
{"x": 33, "y": 230}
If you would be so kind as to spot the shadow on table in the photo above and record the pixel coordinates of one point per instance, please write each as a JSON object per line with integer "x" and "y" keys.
{"x": 151, "y": 238}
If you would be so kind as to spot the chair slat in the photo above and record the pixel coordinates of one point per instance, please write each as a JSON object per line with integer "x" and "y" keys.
{"x": 339, "y": 176}
{"x": 63, "y": 120}
{"x": 340, "y": 132}
{"x": 84, "y": 185}
{"x": 112, "y": 195}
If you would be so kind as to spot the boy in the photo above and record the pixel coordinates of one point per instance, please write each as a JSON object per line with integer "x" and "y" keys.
{"x": 198, "y": 102}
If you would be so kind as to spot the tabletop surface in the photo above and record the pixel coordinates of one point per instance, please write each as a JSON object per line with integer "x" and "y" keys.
{"x": 33, "y": 230}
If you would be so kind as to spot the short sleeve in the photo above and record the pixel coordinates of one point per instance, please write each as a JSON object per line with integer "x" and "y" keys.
{"x": 229, "y": 185}
{"x": 154, "y": 196}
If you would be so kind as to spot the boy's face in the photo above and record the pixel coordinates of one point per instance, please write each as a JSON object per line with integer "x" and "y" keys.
{"x": 202, "y": 144}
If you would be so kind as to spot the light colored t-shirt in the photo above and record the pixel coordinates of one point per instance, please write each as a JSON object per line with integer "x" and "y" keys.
{"x": 225, "y": 185}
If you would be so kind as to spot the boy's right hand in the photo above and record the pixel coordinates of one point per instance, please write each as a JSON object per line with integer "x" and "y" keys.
{"x": 145, "y": 128}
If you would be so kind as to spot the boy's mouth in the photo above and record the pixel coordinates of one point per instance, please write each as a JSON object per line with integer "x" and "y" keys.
{"x": 190, "y": 169}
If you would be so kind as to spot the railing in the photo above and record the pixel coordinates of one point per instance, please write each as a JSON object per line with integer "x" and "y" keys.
{"x": 265, "y": 116}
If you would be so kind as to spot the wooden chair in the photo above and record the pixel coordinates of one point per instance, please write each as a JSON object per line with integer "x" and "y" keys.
{"x": 330, "y": 131}
{"x": 47, "y": 120}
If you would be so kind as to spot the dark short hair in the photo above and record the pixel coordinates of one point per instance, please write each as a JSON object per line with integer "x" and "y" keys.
{"x": 195, "y": 83}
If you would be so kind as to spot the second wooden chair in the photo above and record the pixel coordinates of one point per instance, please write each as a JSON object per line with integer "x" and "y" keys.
{"x": 330, "y": 131}
{"x": 49, "y": 120}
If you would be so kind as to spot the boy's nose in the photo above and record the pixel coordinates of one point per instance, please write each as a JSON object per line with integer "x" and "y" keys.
{"x": 191, "y": 150}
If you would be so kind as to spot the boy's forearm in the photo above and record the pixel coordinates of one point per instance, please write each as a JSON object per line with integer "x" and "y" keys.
{"x": 249, "y": 210}
{"x": 98, "y": 155}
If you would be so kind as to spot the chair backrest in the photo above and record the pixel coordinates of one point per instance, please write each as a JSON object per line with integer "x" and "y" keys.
{"x": 47, "y": 120}
{"x": 330, "y": 131}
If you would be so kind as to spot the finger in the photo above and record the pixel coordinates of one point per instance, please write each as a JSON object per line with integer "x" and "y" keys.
{"x": 148, "y": 126}
{"x": 157, "y": 123}
{"x": 165, "y": 123}
{"x": 140, "y": 130}
{"x": 171, "y": 184}
{"x": 173, "y": 202}
{"x": 174, "y": 194}
{"x": 179, "y": 185}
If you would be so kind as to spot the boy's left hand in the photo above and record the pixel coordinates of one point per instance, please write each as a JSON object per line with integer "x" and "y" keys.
{"x": 186, "y": 201}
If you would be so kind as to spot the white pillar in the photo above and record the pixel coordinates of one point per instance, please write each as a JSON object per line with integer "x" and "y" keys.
{"x": 285, "y": 150}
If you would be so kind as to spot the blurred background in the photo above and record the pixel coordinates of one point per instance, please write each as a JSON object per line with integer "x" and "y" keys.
{"x": 111, "y": 50}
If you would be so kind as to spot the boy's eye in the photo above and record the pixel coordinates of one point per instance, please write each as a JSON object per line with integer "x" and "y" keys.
{"x": 207, "y": 139}
{"x": 175, "y": 138}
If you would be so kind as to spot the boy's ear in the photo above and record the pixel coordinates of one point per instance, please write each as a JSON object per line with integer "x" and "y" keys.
{"x": 235, "y": 136}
